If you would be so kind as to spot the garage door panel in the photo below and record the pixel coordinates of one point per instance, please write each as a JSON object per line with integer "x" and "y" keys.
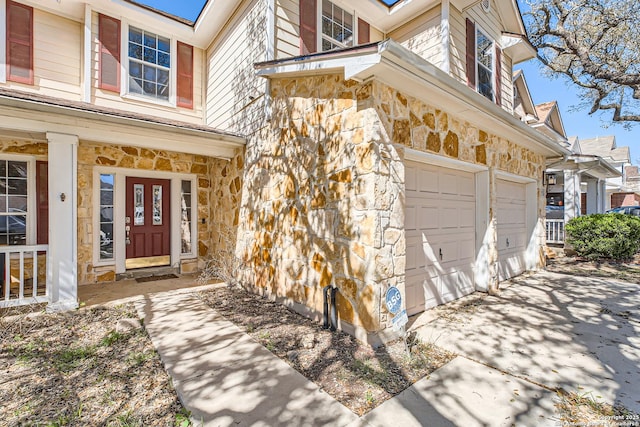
{"x": 511, "y": 228}
{"x": 440, "y": 236}
{"x": 410, "y": 217}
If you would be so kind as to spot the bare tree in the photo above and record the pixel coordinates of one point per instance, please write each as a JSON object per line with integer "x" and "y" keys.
{"x": 596, "y": 44}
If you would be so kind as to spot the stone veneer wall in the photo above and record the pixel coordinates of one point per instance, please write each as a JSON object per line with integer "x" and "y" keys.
{"x": 324, "y": 190}
{"x": 219, "y": 184}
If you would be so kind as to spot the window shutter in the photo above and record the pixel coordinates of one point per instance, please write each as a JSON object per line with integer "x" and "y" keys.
{"x": 498, "y": 76}
{"x": 109, "y": 58}
{"x": 19, "y": 43}
{"x": 42, "y": 200}
{"x": 308, "y": 27}
{"x": 363, "y": 32}
{"x": 185, "y": 75}
{"x": 471, "y": 54}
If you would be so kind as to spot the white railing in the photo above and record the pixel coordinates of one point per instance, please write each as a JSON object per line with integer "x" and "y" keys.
{"x": 555, "y": 230}
{"x": 23, "y": 272}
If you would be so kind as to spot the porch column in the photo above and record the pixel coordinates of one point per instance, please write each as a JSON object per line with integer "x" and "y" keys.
{"x": 571, "y": 195}
{"x": 62, "y": 266}
{"x": 593, "y": 204}
{"x": 602, "y": 196}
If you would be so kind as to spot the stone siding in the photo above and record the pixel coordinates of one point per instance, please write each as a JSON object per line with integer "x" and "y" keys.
{"x": 324, "y": 190}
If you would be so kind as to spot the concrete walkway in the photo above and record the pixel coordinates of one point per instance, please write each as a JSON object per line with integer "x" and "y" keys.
{"x": 544, "y": 331}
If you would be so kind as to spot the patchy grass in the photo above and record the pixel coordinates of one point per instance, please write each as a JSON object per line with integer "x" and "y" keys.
{"x": 75, "y": 369}
{"x": 583, "y": 409}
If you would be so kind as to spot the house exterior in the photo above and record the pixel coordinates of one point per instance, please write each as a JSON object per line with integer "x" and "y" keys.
{"x": 350, "y": 145}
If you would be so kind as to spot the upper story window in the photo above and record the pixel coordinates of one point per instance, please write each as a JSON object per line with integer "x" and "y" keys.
{"x": 484, "y": 64}
{"x": 325, "y": 26}
{"x": 149, "y": 64}
{"x": 337, "y": 27}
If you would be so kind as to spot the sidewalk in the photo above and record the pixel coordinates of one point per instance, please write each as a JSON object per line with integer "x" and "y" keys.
{"x": 224, "y": 377}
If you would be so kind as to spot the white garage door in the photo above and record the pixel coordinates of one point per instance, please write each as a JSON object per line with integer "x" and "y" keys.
{"x": 512, "y": 228}
{"x": 440, "y": 233}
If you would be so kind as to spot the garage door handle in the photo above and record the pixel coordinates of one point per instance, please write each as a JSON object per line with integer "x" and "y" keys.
{"x": 440, "y": 251}
{"x": 507, "y": 242}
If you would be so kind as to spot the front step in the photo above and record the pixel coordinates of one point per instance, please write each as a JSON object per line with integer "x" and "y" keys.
{"x": 147, "y": 272}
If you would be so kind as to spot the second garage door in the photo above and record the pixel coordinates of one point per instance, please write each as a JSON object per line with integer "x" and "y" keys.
{"x": 440, "y": 234}
{"x": 512, "y": 228}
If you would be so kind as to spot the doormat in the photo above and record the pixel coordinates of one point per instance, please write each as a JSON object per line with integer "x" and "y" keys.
{"x": 154, "y": 278}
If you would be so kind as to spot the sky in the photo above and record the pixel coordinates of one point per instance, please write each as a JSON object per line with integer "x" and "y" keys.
{"x": 576, "y": 122}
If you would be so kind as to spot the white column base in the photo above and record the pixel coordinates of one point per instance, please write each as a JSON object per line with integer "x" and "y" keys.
{"x": 67, "y": 305}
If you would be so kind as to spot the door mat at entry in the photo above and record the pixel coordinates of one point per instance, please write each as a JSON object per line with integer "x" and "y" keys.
{"x": 154, "y": 278}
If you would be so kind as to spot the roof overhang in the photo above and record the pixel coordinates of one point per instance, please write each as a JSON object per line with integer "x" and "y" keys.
{"x": 36, "y": 118}
{"x": 397, "y": 67}
{"x": 593, "y": 166}
{"x": 518, "y": 47}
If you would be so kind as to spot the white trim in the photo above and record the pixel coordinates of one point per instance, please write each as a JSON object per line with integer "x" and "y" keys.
{"x": 446, "y": 162}
{"x": 114, "y": 130}
{"x": 87, "y": 60}
{"x": 3, "y": 41}
{"x": 506, "y": 176}
{"x": 271, "y": 30}
{"x": 119, "y": 213}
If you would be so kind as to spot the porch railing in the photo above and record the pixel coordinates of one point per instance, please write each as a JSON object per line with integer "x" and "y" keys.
{"x": 555, "y": 230}
{"x": 23, "y": 275}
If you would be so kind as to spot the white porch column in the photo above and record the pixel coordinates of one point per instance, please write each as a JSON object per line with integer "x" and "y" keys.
{"x": 62, "y": 269}
{"x": 593, "y": 204}
{"x": 602, "y": 196}
{"x": 571, "y": 195}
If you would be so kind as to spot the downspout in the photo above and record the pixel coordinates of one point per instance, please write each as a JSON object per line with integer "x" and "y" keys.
{"x": 330, "y": 312}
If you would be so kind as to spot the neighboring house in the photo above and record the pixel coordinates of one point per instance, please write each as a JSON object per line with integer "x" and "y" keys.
{"x": 575, "y": 184}
{"x": 381, "y": 146}
{"x": 629, "y": 193}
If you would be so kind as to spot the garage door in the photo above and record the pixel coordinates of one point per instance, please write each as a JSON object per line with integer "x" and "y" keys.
{"x": 511, "y": 227}
{"x": 440, "y": 234}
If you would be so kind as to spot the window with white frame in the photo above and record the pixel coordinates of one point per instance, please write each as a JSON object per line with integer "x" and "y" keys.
{"x": 337, "y": 27}
{"x": 107, "y": 181}
{"x": 149, "y": 64}
{"x": 485, "y": 55}
{"x": 14, "y": 202}
{"x": 186, "y": 229}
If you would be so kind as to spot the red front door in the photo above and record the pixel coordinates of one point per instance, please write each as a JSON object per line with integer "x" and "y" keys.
{"x": 148, "y": 222}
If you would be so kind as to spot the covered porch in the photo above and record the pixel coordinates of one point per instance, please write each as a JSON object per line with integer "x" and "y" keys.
{"x": 64, "y": 200}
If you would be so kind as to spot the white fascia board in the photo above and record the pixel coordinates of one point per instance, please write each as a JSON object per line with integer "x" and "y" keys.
{"x": 115, "y": 130}
{"x": 352, "y": 66}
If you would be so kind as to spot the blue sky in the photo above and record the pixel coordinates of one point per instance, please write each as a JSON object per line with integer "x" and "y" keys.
{"x": 577, "y": 123}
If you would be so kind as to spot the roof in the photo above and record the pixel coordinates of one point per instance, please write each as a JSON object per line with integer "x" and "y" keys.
{"x": 544, "y": 110}
{"x": 39, "y": 114}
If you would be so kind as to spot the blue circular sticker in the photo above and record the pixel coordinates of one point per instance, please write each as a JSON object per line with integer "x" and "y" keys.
{"x": 393, "y": 299}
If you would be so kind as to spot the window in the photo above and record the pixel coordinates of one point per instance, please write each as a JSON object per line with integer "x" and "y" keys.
{"x": 484, "y": 59}
{"x": 149, "y": 64}
{"x": 106, "y": 216}
{"x": 484, "y": 63}
{"x": 13, "y": 202}
{"x": 337, "y": 27}
{"x": 185, "y": 219}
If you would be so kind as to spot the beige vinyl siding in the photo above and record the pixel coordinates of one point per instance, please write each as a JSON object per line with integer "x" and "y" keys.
{"x": 235, "y": 95}
{"x": 138, "y": 104}
{"x": 422, "y": 36}
{"x": 287, "y": 40}
{"x": 491, "y": 25}
{"x": 57, "y": 57}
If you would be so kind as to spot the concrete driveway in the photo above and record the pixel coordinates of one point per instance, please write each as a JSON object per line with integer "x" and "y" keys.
{"x": 578, "y": 333}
